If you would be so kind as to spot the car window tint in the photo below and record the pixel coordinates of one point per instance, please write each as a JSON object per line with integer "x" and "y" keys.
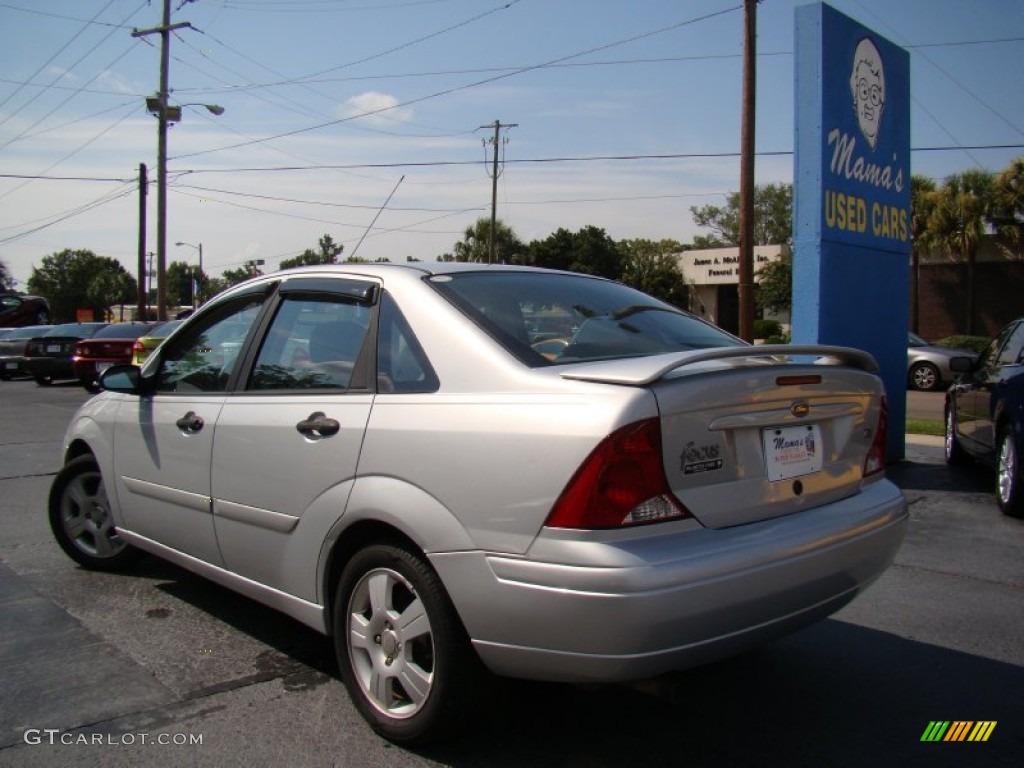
{"x": 312, "y": 343}
{"x": 585, "y": 318}
{"x": 1014, "y": 347}
{"x": 402, "y": 366}
{"x": 203, "y": 358}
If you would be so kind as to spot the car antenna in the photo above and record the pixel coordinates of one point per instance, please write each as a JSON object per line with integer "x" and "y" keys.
{"x": 379, "y": 212}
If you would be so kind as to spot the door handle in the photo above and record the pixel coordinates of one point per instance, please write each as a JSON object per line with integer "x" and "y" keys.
{"x": 190, "y": 422}
{"x": 318, "y": 425}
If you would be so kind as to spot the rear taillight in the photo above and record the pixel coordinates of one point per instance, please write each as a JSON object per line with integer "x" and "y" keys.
{"x": 621, "y": 483}
{"x": 138, "y": 348}
{"x": 78, "y": 351}
{"x": 875, "y": 460}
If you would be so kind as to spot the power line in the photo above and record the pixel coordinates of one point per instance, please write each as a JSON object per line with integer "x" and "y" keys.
{"x": 467, "y": 86}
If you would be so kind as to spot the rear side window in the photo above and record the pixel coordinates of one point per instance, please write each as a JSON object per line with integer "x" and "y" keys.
{"x": 554, "y": 318}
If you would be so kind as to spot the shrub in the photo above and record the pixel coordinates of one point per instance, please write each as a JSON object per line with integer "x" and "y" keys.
{"x": 973, "y": 343}
{"x": 766, "y": 329}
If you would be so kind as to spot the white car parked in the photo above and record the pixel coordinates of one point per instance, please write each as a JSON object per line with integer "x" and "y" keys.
{"x": 381, "y": 452}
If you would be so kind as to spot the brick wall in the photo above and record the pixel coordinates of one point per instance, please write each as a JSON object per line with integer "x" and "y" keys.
{"x": 942, "y": 298}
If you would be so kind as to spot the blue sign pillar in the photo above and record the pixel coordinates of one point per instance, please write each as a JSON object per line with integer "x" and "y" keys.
{"x": 851, "y": 257}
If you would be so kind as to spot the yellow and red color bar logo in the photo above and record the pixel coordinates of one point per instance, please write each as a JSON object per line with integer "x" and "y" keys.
{"x": 958, "y": 730}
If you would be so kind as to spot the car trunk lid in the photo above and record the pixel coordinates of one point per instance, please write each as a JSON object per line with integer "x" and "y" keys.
{"x": 749, "y": 435}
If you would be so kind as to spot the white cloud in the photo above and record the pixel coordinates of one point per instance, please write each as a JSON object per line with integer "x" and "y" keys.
{"x": 379, "y": 108}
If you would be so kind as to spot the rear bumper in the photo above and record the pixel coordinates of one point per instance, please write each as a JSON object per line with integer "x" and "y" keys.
{"x": 12, "y": 365}
{"x": 620, "y": 610}
{"x": 54, "y": 367}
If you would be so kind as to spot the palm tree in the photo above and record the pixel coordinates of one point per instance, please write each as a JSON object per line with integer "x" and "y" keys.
{"x": 922, "y": 203}
{"x": 1009, "y": 203}
{"x": 961, "y": 217}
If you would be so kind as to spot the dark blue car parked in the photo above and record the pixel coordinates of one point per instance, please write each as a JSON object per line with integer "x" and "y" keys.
{"x": 984, "y": 414}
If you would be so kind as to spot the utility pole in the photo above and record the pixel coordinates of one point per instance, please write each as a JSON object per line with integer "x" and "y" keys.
{"x": 164, "y": 116}
{"x": 141, "y": 294}
{"x": 494, "y": 183}
{"x": 746, "y": 276}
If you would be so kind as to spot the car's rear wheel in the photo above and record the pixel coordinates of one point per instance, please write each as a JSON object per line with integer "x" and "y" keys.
{"x": 954, "y": 451}
{"x": 401, "y": 649}
{"x": 81, "y": 521}
{"x": 926, "y": 377}
{"x": 1009, "y": 476}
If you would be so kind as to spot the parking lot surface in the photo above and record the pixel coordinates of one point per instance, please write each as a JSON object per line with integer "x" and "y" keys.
{"x": 158, "y": 667}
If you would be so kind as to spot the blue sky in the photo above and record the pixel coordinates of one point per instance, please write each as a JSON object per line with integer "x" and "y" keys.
{"x": 627, "y": 113}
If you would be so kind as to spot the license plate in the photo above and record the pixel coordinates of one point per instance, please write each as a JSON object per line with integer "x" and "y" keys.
{"x": 53, "y": 347}
{"x": 11, "y": 366}
{"x": 792, "y": 451}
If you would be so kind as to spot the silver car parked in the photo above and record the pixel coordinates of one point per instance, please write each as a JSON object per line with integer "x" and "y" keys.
{"x": 396, "y": 456}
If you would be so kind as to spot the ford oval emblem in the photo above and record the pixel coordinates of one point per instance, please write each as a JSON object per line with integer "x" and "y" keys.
{"x": 800, "y": 409}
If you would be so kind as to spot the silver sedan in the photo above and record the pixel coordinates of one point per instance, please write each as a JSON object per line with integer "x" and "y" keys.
{"x": 396, "y": 456}
{"x": 928, "y": 365}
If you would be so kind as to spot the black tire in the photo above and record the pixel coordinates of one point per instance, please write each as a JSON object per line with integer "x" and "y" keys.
{"x": 92, "y": 387}
{"x": 925, "y": 377}
{"x": 411, "y": 680}
{"x": 954, "y": 452}
{"x": 80, "y": 518}
{"x": 44, "y": 380}
{"x": 1009, "y": 475}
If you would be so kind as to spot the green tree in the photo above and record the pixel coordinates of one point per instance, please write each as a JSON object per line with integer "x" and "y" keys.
{"x": 590, "y": 251}
{"x": 773, "y": 218}
{"x": 327, "y": 253}
{"x": 180, "y": 275}
{"x": 775, "y": 285}
{"x": 653, "y": 267}
{"x": 230, "y": 277}
{"x": 476, "y": 240}
{"x": 964, "y": 208}
{"x": 79, "y": 279}
{"x": 6, "y": 278}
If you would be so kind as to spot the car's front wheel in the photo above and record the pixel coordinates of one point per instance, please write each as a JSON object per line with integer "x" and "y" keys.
{"x": 1009, "y": 475}
{"x": 402, "y": 651}
{"x": 81, "y": 521}
{"x": 954, "y": 451}
{"x": 925, "y": 377}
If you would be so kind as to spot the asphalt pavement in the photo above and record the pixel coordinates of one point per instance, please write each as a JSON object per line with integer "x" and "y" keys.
{"x": 161, "y": 668}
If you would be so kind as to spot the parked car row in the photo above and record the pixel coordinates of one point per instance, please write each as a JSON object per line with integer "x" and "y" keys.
{"x": 76, "y": 351}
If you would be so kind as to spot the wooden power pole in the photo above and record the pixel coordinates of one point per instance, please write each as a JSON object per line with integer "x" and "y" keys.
{"x": 746, "y": 276}
{"x": 495, "y": 142}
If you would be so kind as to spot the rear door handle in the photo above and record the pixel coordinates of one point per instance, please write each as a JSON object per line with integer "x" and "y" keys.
{"x": 190, "y": 422}
{"x": 318, "y": 425}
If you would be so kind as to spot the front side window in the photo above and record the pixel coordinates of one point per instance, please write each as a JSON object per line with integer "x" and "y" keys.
{"x": 1013, "y": 349}
{"x": 313, "y": 343}
{"x": 204, "y": 356}
{"x": 553, "y": 318}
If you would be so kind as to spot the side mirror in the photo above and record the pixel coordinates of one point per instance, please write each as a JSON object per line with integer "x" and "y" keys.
{"x": 125, "y": 379}
{"x": 961, "y": 364}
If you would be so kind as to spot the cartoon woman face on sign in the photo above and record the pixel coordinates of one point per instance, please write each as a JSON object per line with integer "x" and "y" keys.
{"x": 867, "y": 83}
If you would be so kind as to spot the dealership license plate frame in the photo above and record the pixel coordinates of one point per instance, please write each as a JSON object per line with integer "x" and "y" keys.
{"x": 792, "y": 451}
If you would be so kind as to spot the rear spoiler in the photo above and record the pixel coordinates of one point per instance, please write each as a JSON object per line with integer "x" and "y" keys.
{"x": 641, "y": 371}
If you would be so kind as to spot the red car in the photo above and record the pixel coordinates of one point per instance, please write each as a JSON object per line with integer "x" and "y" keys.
{"x": 17, "y": 310}
{"x": 110, "y": 346}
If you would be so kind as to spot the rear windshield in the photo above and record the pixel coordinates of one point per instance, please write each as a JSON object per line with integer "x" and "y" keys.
{"x": 123, "y": 331}
{"x": 554, "y": 318}
{"x": 81, "y": 330}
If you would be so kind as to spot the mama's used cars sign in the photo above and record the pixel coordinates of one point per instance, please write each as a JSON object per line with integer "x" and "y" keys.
{"x": 866, "y": 137}
{"x": 851, "y": 228}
